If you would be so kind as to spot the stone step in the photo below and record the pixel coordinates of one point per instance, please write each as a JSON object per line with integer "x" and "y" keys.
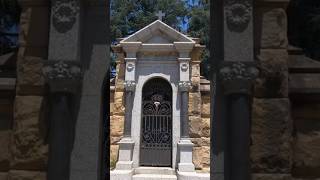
{"x": 155, "y": 170}
{"x": 154, "y": 177}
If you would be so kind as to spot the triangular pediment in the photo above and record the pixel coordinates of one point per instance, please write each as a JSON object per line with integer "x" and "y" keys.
{"x": 157, "y": 33}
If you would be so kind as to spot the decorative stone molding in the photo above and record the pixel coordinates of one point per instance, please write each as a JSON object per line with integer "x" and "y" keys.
{"x": 238, "y": 15}
{"x": 129, "y": 85}
{"x": 184, "y": 48}
{"x": 62, "y": 75}
{"x": 131, "y": 48}
{"x": 130, "y": 67}
{"x": 237, "y": 77}
{"x": 64, "y": 14}
{"x": 184, "y": 67}
{"x": 184, "y": 85}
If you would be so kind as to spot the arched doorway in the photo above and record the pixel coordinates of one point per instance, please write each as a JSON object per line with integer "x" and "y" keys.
{"x": 156, "y": 124}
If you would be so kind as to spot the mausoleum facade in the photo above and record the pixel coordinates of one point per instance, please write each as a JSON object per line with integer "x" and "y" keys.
{"x": 156, "y": 95}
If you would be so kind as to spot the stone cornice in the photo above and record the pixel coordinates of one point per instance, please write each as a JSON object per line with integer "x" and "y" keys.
{"x": 130, "y": 47}
{"x": 184, "y": 47}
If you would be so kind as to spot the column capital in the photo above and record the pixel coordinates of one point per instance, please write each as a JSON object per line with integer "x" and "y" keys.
{"x": 237, "y": 77}
{"x": 130, "y": 86}
{"x": 184, "y": 86}
{"x": 63, "y": 76}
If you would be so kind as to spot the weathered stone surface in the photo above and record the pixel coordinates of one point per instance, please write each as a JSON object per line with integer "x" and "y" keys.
{"x": 5, "y": 137}
{"x": 115, "y": 139}
{"x": 306, "y": 158}
{"x": 273, "y": 27}
{"x": 120, "y": 70}
{"x": 29, "y": 152}
{"x": 118, "y": 106}
{"x": 30, "y": 80}
{"x": 195, "y": 71}
{"x": 26, "y": 175}
{"x": 271, "y": 136}
{"x": 199, "y": 127}
{"x": 3, "y": 176}
{"x": 203, "y": 141}
{"x": 194, "y": 103}
{"x": 205, "y": 108}
{"x": 271, "y": 177}
{"x": 114, "y": 149}
{"x": 195, "y": 84}
{"x": 116, "y": 125}
{"x": 273, "y": 78}
{"x": 201, "y": 157}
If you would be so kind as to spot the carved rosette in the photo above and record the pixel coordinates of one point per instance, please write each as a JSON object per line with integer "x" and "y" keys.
{"x": 238, "y": 14}
{"x": 62, "y": 75}
{"x": 184, "y": 85}
{"x": 238, "y": 77}
{"x": 64, "y": 14}
{"x": 130, "y": 85}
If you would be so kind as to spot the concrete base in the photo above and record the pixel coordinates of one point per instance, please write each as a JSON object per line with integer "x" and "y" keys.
{"x": 192, "y": 176}
{"x": 125, "y": 154}
{"x": 121, "y": 175}
{"x": 185, "y": 149}
{"x": 124, "y": 165}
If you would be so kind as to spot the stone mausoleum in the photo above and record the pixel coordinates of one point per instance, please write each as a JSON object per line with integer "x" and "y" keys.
{"x": 43, "y": 137}
{"x": 156, "y": 92}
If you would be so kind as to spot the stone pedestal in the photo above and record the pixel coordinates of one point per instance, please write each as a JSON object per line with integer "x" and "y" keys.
{"x": 125, "y": 154}
{"x": 185, "y": 148}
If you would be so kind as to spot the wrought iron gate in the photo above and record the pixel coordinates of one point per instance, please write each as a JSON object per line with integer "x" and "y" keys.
{"x": 156, "y": 125}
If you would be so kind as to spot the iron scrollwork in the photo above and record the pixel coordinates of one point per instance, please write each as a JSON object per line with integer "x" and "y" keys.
{"x": 156, "y": 131}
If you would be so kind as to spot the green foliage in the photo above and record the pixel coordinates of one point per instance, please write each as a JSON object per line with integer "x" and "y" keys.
{"x": 128, "y": 16}
{"x": 199, "y": 27}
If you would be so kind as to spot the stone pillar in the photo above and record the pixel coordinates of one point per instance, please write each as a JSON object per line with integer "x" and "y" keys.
{"x": 233, "y": 56}
{"x": 63, "y": 74}
{"x": 64, "y": 80}
{"x": 185, "y": 145}
{"x": 126, "y": 144}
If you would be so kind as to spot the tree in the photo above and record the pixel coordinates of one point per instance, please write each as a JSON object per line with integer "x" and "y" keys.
{"x": 199, "y": 21}
{"x": 129, "y": 16}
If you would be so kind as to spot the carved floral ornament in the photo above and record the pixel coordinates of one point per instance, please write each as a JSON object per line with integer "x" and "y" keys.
{"x": 238, "y": 71}
{"x": 129, "y": 85}
{"x": 238, "y": 14}
{"x": 238, "y": 77}
{"x": 130, "y": 67}
{"x": 184, "y": 67}
{"x": 62, "y": 70}
{"x": 184, "y": 85}
{"x": 64, "y": 14}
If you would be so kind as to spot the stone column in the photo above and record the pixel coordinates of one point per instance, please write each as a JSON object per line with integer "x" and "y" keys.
{"x": 233, "y": 57}
{"x": 185, "y": 145}
{"x": 63, "y": 74}
{"x": 64, "y": 80}
{"x": 126, "y": 144}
